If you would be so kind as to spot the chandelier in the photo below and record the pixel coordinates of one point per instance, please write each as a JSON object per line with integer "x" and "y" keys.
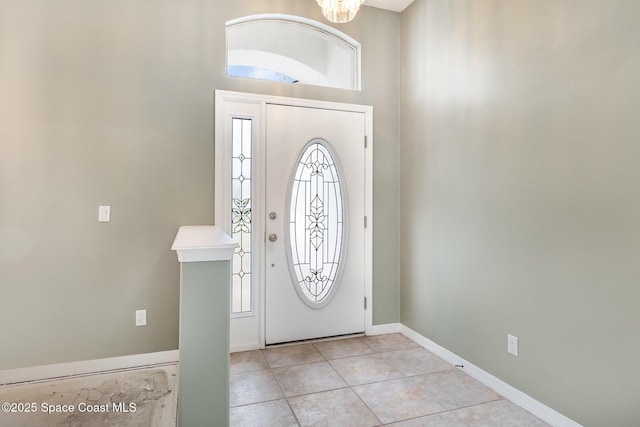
{"x": 340, "y": 11}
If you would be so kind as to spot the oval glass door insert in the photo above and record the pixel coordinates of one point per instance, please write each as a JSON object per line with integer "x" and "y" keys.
{"x": 316, "y": 224}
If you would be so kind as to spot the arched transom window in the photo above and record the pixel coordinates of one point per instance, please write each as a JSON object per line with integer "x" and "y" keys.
{"x": 292, "y": 49}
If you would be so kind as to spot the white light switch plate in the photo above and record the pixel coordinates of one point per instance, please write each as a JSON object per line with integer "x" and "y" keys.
{"x": 512, "y": 345}
{"x": 104, "y": 213}
{"x": 141, "y": 317}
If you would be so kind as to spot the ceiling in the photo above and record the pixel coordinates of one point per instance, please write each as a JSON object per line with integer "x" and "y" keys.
{"x": 394, "y": 5}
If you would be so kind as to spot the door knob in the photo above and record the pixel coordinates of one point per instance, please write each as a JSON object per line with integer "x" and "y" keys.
{"x": 273, "y": 237}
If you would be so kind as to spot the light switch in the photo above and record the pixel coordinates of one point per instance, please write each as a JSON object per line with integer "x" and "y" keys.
{"x": 512, "y": 345}
{"x": 104, "y": 213}
{"x": 141, "y": 317}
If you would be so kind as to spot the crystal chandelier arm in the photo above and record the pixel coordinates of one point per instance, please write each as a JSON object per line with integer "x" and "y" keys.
{"x": 340, "y": 11}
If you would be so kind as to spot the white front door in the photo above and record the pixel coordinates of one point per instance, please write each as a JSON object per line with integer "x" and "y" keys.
{"x": 314, "y": 223}
{"x": 260, "y": 140}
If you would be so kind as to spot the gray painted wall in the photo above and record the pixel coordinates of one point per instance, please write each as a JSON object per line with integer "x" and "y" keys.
{"x": 520, "y": 181}
{"x": 111, "y": 103}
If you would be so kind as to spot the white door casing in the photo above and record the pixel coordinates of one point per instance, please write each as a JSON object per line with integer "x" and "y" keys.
{"x": 248, "y": 329}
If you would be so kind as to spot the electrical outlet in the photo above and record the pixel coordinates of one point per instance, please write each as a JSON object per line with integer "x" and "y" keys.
{"x": 512, "y": 345}
{"x": 141, "y": 317}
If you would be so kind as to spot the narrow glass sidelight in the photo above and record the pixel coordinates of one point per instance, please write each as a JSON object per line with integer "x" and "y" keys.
{"x": 316, "y": 224}
{"x": 241, "y": 226}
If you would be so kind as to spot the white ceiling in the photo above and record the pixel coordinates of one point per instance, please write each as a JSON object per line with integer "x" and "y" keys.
{"x": 394, "y": 5}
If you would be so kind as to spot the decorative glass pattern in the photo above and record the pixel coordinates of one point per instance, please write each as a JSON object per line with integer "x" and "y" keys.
{"x": 241, "y": 215}
{"x": 316, "y": 224}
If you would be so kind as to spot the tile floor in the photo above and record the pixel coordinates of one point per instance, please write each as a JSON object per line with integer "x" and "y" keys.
{"x": 371, "y": 381}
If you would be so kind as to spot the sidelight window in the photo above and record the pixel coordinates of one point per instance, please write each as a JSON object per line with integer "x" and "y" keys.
{"x": 241, "y": 223}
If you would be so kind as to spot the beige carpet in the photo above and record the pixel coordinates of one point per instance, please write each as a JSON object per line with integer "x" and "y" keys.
{"x": 144, "y": 397}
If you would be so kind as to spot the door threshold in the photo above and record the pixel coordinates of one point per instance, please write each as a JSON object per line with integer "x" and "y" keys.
{"x": 314, "y": 340}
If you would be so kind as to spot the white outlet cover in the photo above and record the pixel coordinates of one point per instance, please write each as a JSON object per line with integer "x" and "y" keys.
{"x": 512, "y": 345}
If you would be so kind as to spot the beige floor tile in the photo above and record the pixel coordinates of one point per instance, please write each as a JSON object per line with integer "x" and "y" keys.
{"x": 309, "y": 378}
{"x": 253, "y": 387}
{"x": 257, "y": 397}
{"x": 247, "y": 361}
{"x": 367, "y": 369}
{"x": 397, "y": 400}
{"x": 292, "y": 355}
{"x": 266, "y": 414}
{"x": 332, "y": 408}
{"x": 343, "y": 348}
{"x": 455, "y": 389}
{"x": 416, "y": 361}
{"x": 389, "y": 342}
{"x": 501, "y": 413}
{"x": 446, "y": 419}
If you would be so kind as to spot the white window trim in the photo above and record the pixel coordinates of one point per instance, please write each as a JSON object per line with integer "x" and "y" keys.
{"x": 313, "y": 24}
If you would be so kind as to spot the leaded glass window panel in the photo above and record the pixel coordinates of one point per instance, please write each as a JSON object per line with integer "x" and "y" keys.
{"x": 241, "y": 200}
{"x": 316, "y": 224}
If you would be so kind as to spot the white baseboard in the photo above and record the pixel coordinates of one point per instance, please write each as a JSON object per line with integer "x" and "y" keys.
{"x": 85, "y": 367}
{"x": 521, "y": 399}
{"x": 387, "y": 328}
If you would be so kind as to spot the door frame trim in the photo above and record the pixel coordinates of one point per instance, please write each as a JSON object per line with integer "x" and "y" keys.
{"x": 254, "y": 106}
